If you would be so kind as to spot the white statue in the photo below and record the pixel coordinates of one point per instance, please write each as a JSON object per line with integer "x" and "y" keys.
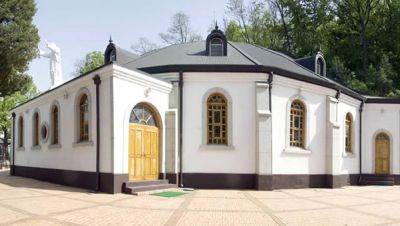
{"x": 55, "y": 63}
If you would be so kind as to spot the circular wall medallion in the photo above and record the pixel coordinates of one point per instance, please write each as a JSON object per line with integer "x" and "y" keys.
{"x": 44, "y": 132}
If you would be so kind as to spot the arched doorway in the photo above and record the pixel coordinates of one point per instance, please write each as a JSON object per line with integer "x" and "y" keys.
{"x": 382, "y": 153}
{"x": 143, "y": 143}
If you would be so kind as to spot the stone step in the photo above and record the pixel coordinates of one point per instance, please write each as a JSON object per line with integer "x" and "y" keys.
{"x": 377, "y": 180}
{"x": 144, "y": 182}
{"x": 136, "y": 189}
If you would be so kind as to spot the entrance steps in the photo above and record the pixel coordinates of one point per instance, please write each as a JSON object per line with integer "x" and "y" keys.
{"x": 134, "y": 187}
{"x": 377, "y": 179}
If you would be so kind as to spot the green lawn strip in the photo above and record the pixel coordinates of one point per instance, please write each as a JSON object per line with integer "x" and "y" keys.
{"x": 169, "y": 194}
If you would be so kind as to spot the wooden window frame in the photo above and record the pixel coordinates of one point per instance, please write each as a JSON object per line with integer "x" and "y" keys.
{"x": 300, "y": 129}
{"x": 348, "y": 133}
{"x": 20, "y": 132}
{"x": 83, "y": 107}
{"x": 55, "y": 122}
{"x": 217, "y": 128}
{"x": 36, "y": 127}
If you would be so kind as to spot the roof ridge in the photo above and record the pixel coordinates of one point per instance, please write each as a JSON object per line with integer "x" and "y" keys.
{"x": 244, "y": 53}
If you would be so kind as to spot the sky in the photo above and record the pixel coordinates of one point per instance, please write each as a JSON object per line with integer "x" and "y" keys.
{"x": 79, "y": 27}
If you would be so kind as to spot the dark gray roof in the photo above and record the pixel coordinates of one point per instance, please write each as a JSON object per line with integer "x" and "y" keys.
{"x": 307, "y": 62}
{"x": 240, "y": 56}
{"x": 188, "y": 53}
{"x": 124, "y": 56}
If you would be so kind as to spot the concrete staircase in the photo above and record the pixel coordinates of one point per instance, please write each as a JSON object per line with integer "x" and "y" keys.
{"x": 377, "y": 179}
{"x": 134, "y": 187}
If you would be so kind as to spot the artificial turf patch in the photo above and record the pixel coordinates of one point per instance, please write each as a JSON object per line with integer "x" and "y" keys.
{"x": 169, "y": 194}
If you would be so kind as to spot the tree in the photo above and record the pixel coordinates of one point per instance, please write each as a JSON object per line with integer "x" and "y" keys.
{"x": 18, "y": 44}
{"x": 143, "y": 45}
{"x": 9, "y": 102}
{"x": 92, "y": 61}
{"x": 356, "y": 15}
{"x": 180, "y": 31}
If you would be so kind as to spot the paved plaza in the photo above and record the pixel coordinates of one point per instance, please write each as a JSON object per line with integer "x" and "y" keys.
{"x": 30, "y": 202}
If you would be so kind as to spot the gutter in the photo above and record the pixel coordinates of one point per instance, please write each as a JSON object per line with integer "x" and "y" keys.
{"x": 180, "y": 127}
{"x": 12, "y": 172}
{"x": 97, "y": 81}
{"x": 360, "y": 141}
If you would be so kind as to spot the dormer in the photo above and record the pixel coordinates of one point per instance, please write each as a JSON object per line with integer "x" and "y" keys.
{"x": 314, "y": 63}
{"x": 216, "y": 43}
{"x": 110, "y": 55}
{"x": 320, "y": 65}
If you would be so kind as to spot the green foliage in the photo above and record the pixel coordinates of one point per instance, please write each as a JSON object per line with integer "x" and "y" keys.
{"x": 92, "y": 61}
{"x": 11, "y": 101}
{"x": 360, "y": 39}
{"x": 18, "y": 44}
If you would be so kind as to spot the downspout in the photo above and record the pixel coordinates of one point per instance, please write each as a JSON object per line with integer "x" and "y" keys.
{"x": 270, "y": 79}
{"x": 360, "y": 141}
{"x": 180, "y": 127}
{"x": 97, "y": 82}
{"x": 13, "y": 144}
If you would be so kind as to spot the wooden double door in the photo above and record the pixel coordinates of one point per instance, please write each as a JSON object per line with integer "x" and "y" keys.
{"x": 143, "y": 152}
{"x": 382, "y": 154}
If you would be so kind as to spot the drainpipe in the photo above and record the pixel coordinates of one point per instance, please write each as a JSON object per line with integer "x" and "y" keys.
{"x": 270, "y": 79}
{"x": 97, "y": 82}
{"x": 13, "y": 144}
{"x": 180, "y": 127}
{"x": 360, "y": 140}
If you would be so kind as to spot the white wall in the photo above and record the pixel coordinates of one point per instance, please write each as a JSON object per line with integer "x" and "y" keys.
{"x": 240, "y": 156}
{"x": 69, "y": 156}
{"x": 380, "y": 118}
{"x": 312, "y": 159}
{"x": 129, "y": 89}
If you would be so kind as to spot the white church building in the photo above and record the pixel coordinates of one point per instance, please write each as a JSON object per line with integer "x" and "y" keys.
{"x": 207, "y": 114}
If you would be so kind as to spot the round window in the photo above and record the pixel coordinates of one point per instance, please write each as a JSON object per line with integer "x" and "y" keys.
{"x": 44, "y": 132}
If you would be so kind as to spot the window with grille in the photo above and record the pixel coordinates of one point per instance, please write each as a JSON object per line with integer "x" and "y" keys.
{"x": 55, "y": 129}
{"x": 217, "y": 117}
{"x": 35, "y": 129}
{"x": 297, "y": 124}
{"x": 216, "y": 47}
{"x": 84, "y": 118}
{"x": 141, "y": 114}
{"x": 20, "y": 132}
{"x": 348, "y": 133}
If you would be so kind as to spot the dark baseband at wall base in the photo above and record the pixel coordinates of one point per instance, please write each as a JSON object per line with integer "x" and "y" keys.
{"x": 110, "y": 183}
{"x": 219, "y": 181}
{"x": 337, "y": 181}
{"x": 172, "y": 178}
{"x": 285, "y": 181}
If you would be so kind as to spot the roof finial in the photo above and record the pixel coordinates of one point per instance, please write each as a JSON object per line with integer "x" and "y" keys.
{"x": 216, "y": 25}
{"x": 110, "y": 39}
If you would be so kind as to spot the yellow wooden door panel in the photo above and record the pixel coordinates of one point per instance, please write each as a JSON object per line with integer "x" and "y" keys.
{"x": 382, "y": 155}
{"x": 143, "y": 152}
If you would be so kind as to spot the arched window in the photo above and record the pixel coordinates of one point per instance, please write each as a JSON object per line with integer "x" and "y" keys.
{"x": 216, "y": 47}
{"x": 217, "y": 117}
{"x": 20, "y": 132}
{"x": 83, "y": 118}
{"x": 141, "y": 114}
{"x": 320, "y": 67}
{"x": 297, "y": 124}
{"x": 55, "y": 125}
{"x": 348, "y": 133}
{"x": 35, "y": 129}
{"x": 112, "y": 56}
